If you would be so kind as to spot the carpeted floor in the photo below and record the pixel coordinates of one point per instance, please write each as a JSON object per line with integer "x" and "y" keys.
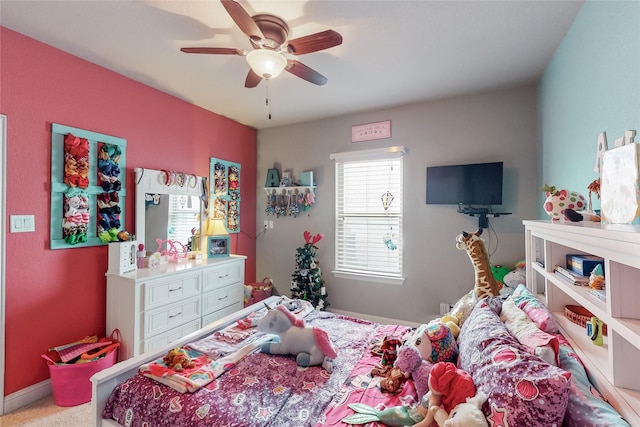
{"x": 45, "y": 413}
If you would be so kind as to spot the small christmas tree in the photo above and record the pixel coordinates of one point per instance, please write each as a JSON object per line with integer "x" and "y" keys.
{"x": 307, "y": 283}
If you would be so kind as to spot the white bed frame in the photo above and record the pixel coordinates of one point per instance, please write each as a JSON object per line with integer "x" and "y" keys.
{"x": 105, "y": 381}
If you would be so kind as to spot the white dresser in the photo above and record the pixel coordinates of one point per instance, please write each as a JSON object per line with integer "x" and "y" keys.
{"x": 153, "y": 307}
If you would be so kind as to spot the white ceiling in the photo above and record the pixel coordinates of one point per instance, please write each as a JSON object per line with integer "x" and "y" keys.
{"x": 393, "y": 53}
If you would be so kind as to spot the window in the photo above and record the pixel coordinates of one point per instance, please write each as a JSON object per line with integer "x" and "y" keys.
{"x": 184, "y": 217}
{"x": 369, "y": 213}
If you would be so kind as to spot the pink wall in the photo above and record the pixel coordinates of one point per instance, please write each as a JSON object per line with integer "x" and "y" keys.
{"x": 57, "y": 296}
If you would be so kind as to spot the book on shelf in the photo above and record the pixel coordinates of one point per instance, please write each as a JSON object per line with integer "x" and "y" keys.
{"x": 575, "y": 278}
{"x": 601, "y": 294}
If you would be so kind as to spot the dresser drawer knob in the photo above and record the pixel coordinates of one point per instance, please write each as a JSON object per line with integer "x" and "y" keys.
{"x": 176, "y": 289}
{"x": 224, "y": 297}
{"x": 175, "y": 315}
{"x": 222, "y": 277}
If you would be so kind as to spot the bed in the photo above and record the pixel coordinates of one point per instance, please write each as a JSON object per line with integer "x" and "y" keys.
{"x": 260, "y": 389}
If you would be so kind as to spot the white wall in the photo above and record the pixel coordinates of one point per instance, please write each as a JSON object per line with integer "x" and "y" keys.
{"x": 493, "y": 126}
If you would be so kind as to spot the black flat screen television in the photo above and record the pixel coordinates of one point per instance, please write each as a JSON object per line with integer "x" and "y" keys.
{"x": 471, "y": 184}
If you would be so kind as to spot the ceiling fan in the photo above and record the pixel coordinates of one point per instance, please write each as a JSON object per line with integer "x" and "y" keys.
{"x": 268, "y": 35}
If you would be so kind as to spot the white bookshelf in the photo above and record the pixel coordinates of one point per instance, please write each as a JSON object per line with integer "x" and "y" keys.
{"x": 613, "y": 367}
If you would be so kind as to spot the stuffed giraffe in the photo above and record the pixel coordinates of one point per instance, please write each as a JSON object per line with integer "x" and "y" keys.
{"x": 486, "y": 284}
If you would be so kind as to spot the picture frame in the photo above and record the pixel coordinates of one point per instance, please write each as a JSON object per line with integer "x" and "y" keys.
{"x": 371, "y": 131}
{"x": 217, "y": 246}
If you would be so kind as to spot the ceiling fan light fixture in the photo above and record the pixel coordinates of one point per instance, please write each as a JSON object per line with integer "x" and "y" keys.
{"x": 266, "y": 63}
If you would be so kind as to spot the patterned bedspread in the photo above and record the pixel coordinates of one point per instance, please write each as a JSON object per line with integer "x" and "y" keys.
{"x": 270, "y": 390}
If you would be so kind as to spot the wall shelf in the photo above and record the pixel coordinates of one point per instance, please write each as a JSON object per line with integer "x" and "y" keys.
{"x": 289, "y": 201}
{"x": 290, "y": 190}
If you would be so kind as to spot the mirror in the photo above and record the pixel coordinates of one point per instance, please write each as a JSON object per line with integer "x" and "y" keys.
{"x": 168, "y": 207}
{"x": 171, "y": 217}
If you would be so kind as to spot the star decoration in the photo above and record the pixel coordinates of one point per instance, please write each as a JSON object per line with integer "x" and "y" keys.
{"x": 498, "y": 417}
{"x": 264, "y": 413}
{"x": 251, "y": 381}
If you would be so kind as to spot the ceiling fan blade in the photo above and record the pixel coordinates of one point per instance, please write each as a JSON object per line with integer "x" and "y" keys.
{"x": 315, "y": 42}
{"x": 252, "y": 80}
{"x": 242, "y": 19}
{"x": 299, "y": 69}
{"x": 214, "y": 50}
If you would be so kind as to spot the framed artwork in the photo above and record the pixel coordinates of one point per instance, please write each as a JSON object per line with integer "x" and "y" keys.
{"x": 371, "y": 131}
{"x": 217, "y": 246}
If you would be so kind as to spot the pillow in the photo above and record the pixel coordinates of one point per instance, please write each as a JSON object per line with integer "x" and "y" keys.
{"x": 540, "y": 343}
{"x": 536, "y": 311}
{"x": 522, "y": 389}
{"x": 586, "y": 407}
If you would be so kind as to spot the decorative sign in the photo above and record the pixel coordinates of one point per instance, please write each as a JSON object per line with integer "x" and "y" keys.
{"x": 370, "y": 131}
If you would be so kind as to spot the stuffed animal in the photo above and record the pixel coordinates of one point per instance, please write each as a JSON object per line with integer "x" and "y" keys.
{"x": 412, "y": 364}
{"x": 435, "y": 342}
{"x": 392, "y": 378}
{"x": 178, "y": 360}
{"x": 485, "y": 284}
{"x": 451, "y": 402}
{"x": 467, "y": 414}
{"x": 448, "y": 387}
{"x": 515, "y": 277}
{"x": 310, "y": 345}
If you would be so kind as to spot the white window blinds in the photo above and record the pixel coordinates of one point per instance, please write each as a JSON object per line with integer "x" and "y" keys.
{"x": 183, "y": 217}
{"x": 369, "y": 213}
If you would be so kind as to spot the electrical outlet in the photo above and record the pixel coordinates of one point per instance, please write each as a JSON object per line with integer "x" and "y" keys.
{"x": 266, "y": 224}
{"x": 444, "y": 308}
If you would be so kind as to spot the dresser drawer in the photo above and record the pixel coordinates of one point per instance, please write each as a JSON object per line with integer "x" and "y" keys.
{"x": 209, "y": 318}
{"x": 223, "y": 275}
{"x": 167, "y": 317}
{"x": 160, "y": 292}
{"x": 174, "y": 334}
{"x": 221, "y": 298}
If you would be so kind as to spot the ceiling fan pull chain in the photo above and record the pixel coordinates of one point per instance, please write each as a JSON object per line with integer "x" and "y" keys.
{"x": 268, "y": 99}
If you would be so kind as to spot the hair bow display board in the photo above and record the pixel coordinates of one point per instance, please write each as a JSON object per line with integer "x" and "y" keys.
{"x": 225, "y": 181}
{"x": 88, "y": 187}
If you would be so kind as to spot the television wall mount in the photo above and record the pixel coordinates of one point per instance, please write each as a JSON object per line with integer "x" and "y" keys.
{"x": 482, "y": 213}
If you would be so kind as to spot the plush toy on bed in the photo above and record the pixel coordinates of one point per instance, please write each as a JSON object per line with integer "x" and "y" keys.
{"x": 448, "y": 388}
{"x": 517, "y": 276}
{"x": 178, "y": 360}
{"x": 435, "y": 342}
{"x": 467, "y": 414}
{"x": 310, "y": 345}
{"x": 412, "y": 364}
{"x": 451, "y": 402}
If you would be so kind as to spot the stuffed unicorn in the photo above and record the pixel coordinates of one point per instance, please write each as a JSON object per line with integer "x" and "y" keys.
{"x": 311, "y": 345}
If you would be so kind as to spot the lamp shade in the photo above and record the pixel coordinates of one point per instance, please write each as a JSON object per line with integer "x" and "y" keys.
{"x": 215, "y": 227}
{"x": 266, "y": 63}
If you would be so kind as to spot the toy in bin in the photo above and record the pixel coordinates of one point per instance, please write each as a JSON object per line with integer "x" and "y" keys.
{"x": 72, "y": 365}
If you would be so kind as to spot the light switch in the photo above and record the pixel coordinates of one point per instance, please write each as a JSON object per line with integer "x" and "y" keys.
{"x": 22, "y": 223}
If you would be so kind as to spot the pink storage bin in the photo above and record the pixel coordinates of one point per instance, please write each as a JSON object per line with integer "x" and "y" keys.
{"x": 71, "y": 382}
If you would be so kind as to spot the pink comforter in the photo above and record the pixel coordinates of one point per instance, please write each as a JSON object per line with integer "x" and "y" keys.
{"x": 270, "y": 390}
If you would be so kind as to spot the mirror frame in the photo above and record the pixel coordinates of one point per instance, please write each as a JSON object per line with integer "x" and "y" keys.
{"x": 154, "y": 181}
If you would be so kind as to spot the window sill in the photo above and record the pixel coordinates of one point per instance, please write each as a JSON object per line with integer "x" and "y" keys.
{"x": 369, "y": 278}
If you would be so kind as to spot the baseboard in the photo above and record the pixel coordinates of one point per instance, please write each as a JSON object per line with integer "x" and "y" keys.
{"x": 377, "y": 319}
{"x": 27, "y": 395}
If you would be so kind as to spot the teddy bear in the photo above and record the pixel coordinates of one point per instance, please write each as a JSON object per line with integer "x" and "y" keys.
{"x": 178, "y": 360}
